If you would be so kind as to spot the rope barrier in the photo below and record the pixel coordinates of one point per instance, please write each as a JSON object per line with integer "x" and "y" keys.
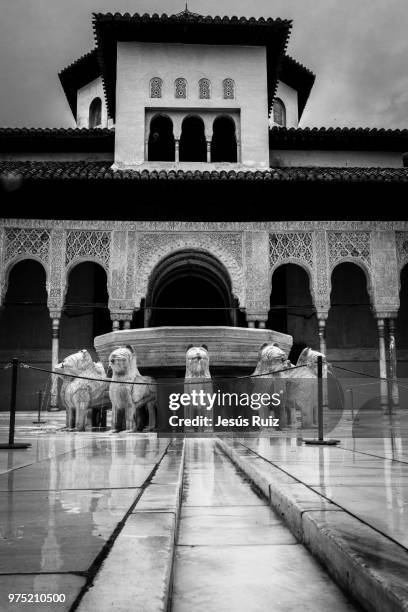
{"x": 130, "y": 382}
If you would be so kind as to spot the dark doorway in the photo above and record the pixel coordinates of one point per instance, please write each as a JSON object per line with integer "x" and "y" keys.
{"x": 292, "y": 310}
{"x": 350, "y": 323}
{"x": 161, "y": 139}
{"x": 224, "y": 141}
{"x": 25, "y": 332}
{"x": 193, "y": 146}
{"x": 95, "y": 113}
{"x": 190, "y": 288}
{"x": 86, "y": 313}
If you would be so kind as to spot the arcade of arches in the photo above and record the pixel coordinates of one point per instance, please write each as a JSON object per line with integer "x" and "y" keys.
{"x": 193, "y": 144}
{"x": 193, "y": 288}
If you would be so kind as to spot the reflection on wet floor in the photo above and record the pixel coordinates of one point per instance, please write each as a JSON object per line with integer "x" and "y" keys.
{"x": 234, "y": 552}
{"x": 366, "y": 481}
{"x": 57, "y": 513}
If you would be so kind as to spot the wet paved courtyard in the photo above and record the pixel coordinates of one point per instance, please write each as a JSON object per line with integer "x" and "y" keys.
{"x": 234, "y": 553}
{"x": 71, "y": 502}
{"x": 367, "y": 477}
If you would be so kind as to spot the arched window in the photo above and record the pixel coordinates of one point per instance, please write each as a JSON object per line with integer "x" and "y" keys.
{"x": 204, "y": 89}
{"x": 279, "y": 113}
{"x": 180, "y": 88}
{"x": 193, "y": 146}
{"x": 156, "y": 85}
{"x": 224, "y": 141}
{"x": 161, "y": 139}
{"x": 95, "y": 113}
{"x": 228, "y": 87}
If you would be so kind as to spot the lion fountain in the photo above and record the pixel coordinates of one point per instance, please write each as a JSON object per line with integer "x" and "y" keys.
{"x": 78, "y": 395}
{"x": 130, "y": 392}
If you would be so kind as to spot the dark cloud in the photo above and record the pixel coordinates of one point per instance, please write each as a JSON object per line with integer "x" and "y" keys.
{"x": 357, "y": 48}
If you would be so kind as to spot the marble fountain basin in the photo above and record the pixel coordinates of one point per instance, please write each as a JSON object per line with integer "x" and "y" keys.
{"x": 161, "y": 351}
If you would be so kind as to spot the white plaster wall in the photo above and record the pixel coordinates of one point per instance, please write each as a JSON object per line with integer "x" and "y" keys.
{"x": 289, "y": 97}
{"x": 85, "y": 95}
{"x": 344, "y": 159}
{"x": 139, "y": 62}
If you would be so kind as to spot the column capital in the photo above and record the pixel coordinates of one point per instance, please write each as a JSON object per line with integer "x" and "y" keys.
{"x": 385, "y": 314}
{"x": 121, "y": 315}
{"x": 55, "y": 313}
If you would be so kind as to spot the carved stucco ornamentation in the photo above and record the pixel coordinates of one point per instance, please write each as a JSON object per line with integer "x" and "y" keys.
{"x": 88, "y": 245}
{"x": 2, "y": 266}
{"x": 153, "y": 247}
{"x": 401, "y": 239}
{"x": 25, "y": 243}
{"x": 321, "y": 275}
{"x": 291, "y": 247}
{"x": 131, "y": 265}
{"x": 56, "y": 284}
{"x": 349, "y": 246}
{"x": 117, "y": 271}
{"x": 257, "y": 275}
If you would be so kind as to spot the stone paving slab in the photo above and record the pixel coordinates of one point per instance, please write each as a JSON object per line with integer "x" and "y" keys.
{"x": 78, "y": 473}
{"x": 48, "y": 531}
{"x": 64, "y": 584}
{"x": 254, "y": 525}
{"x": 137, "y": 573}
{"x": 365, "y": 563}
{"x": 370, "y": 566}
{"x": 253, "y": 575}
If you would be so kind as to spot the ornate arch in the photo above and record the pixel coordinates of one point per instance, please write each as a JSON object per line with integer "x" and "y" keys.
{"x": 12, "y": 263}
{"x": 296, "y": 262}
{"x": 360, "y": 264}
{"x": 85, "y": 259}
{"x": 153, "y": 248}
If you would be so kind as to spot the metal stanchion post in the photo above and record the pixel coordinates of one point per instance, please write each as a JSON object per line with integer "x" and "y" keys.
{"x": 321, "y": 441}
{"x": 13, "y": 401}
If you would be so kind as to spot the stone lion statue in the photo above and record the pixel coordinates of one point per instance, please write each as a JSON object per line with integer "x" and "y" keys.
{"x": 271, "y": 359}
{"x": 267, "y": 379}
{"x": 129, "y": 399}
{"x": 297, "y": 384}
{"x": 78, "y": 394}
{"x": 196, "y": 377}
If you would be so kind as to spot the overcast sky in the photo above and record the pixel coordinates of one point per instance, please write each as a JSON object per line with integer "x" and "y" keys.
{"x": 357, "y": 48}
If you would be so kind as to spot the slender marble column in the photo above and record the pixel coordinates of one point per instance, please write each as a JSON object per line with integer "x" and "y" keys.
{"x": 382, "y": 363}
{"x": 54, "y": 362}
{"x": 177, "y": 150}
{"x": 393, "y": 363}
{"x": 209, "y": 151}
{"x": 115, "y": 325}
{"x": 322, "y": 335}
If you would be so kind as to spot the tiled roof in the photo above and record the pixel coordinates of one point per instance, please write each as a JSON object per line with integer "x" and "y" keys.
{"x": 76, "y": 75}
{"x": 300, "y": 78}
{"x": 187, "y": 28}
{"x": 102, "y": 171}
{"x": 56, "y": 139}
{"x": 357, "y": 139}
